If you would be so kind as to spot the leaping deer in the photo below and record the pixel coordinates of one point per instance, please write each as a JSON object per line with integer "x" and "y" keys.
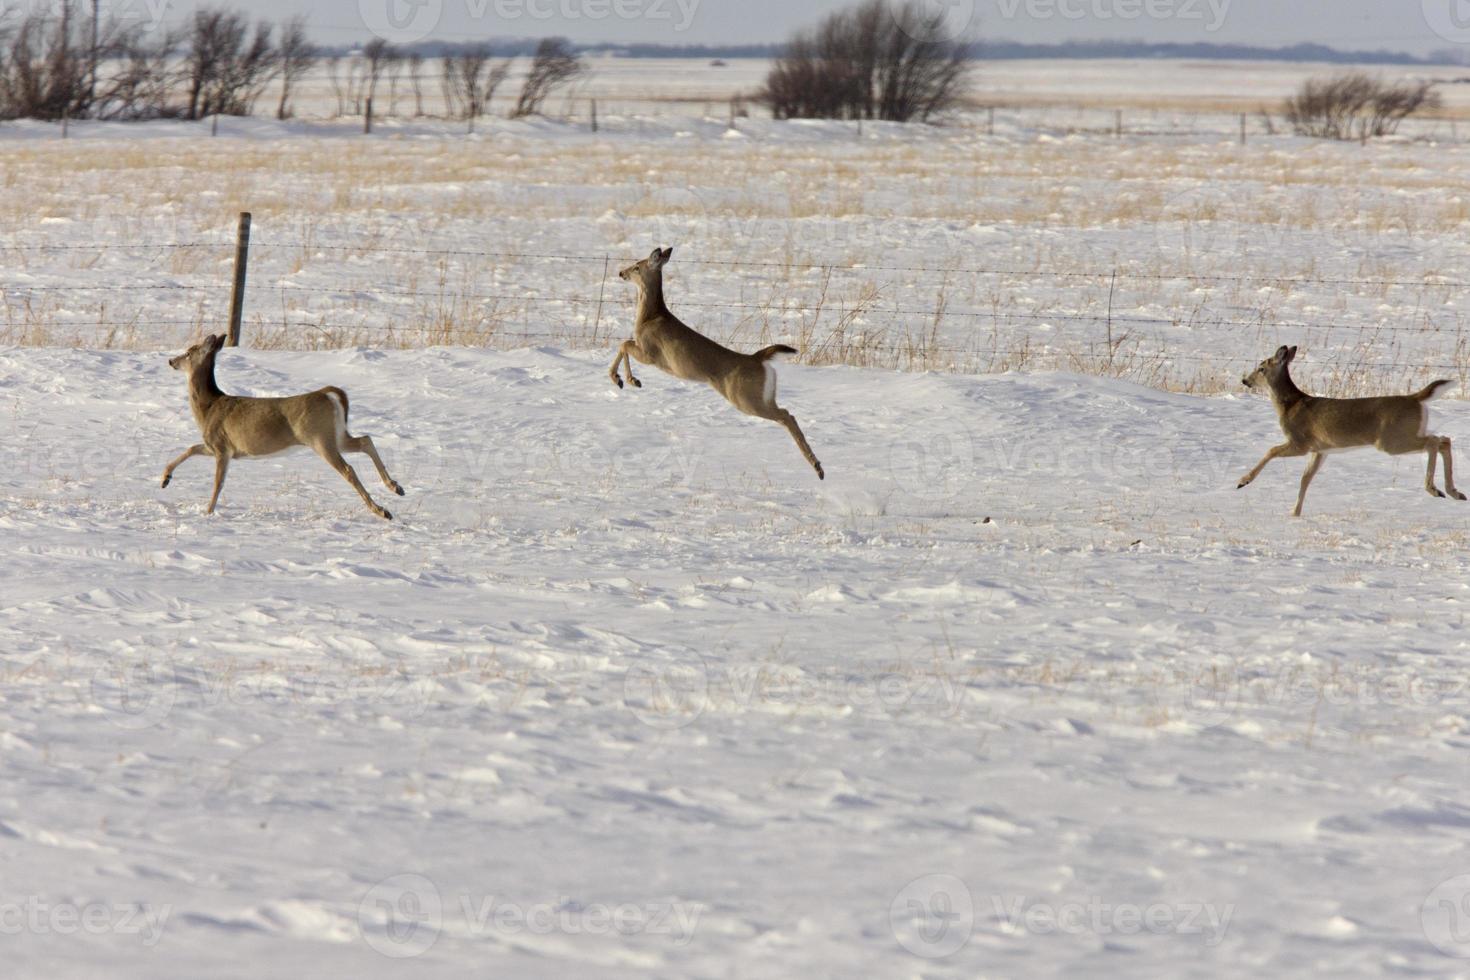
{"x": 237, "y": 427}
{"x": 1395, "y": 424}
{"x": 748, "y": 381}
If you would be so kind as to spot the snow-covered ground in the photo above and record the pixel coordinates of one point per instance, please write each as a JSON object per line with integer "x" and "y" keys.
{"x": 1024, "y": 687}
{"x": 625, "y": 691}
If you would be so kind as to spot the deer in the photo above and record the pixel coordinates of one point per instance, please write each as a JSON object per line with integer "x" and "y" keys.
{"x": 240, "y": 427}
{"x": 747, "y": 381}
{"x": 1394, "y": 424}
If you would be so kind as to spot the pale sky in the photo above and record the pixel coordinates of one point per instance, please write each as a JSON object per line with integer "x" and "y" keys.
{"x": 1417, "y": 26}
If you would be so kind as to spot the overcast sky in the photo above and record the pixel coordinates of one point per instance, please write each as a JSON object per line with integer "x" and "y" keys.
{"x": 1411, "y": 25}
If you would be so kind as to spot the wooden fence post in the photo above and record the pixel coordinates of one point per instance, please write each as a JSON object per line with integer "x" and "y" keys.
{"x": 367, "y": 118}
{"x": 242, "y": 262}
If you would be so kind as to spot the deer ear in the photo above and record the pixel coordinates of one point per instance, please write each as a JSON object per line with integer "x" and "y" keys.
{"x": 1291, "y": 353}
{"x": 656, "y": 256}
{"x": 668, "y": 253}
{"x": 1282, "y": 353}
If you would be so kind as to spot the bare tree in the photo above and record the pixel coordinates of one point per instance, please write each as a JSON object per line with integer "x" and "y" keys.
{"x": 142, "y": 83}
{"x": 415, "y": 77}
{"x": 227, "y": 67}
{"x": 377, "y": 54}
{"x": 42, "y": 73}
{"x": 51, "y": 61}
{"x": 334, "y": 66}
{"x": 1355, "y": 106}
{"x": 298, "y": 56}
{"x": 554, "y": 65}
{"x": 470, "y": 81}
{"x": 878, "y": 60}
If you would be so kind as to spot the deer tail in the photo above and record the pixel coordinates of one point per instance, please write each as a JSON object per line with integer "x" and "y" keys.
{"x": 341, "y": 397}
{"x": 775, "y": 350}
{"x": 1432, "y": 390}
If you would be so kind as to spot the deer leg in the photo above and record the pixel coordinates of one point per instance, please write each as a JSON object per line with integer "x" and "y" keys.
{"x": 334, "y": 459}
{"x": 364, "y": 444}
{"x": 1285, "y": 449}
{"x": 789, "y": 421}
{"x": 1431, "y": 451}
{"x": 196, "y": 450}
{"x": 1449, "y": 469}
{"x": 626, "y": 347}
{"x": 221, "y": 465}
{"x": 1312, "y": 468}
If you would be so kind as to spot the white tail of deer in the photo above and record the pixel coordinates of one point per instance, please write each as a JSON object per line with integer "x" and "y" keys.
{"x": 236, "y": 427}
{"x": 747, "y": 381}
{"x": 1395, "y": 424}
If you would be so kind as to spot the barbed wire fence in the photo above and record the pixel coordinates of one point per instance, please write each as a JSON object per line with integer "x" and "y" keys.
{"x": 576, "y": 308}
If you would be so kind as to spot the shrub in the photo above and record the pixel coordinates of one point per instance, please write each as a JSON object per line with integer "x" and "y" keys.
{"x": 1355, "y": 106}
{"x": 873, "y": 61}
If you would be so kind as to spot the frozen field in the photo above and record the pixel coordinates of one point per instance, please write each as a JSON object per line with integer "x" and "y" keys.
{"x": 1025, "y": 687}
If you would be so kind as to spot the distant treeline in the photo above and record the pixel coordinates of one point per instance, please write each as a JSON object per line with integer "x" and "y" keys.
{"x": 984, "y": 50}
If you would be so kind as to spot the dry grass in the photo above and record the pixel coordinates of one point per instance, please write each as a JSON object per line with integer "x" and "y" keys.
{"x": 953, "y": 253}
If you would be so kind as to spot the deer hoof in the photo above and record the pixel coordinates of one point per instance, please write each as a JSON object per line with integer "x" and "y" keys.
{"x": 384, "y": 514}
{"x": 1458, "y": 495}
{"x": 398, "y": 489}
{"x": 164, "y": 484}
{"x": 1434, "y": 491}
{"x": 634, "y": 382}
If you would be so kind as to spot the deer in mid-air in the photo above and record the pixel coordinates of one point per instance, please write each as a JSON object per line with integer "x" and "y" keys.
{"x": 1395, "y": 424}
{"x": 237, "y": 427}
{"x": 748, "y": 381}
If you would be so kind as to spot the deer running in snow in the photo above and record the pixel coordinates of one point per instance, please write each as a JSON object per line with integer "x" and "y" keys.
{"x": 1395, "y": 424}
{"x": 238, "y": 427}
{"x": 747, "y": 381}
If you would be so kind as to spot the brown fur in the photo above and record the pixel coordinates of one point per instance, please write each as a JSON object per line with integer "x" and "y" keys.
{"x": 1394, "y": 424}
{"x": 662, "y": 339}
{"x": 237, "y": 427}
